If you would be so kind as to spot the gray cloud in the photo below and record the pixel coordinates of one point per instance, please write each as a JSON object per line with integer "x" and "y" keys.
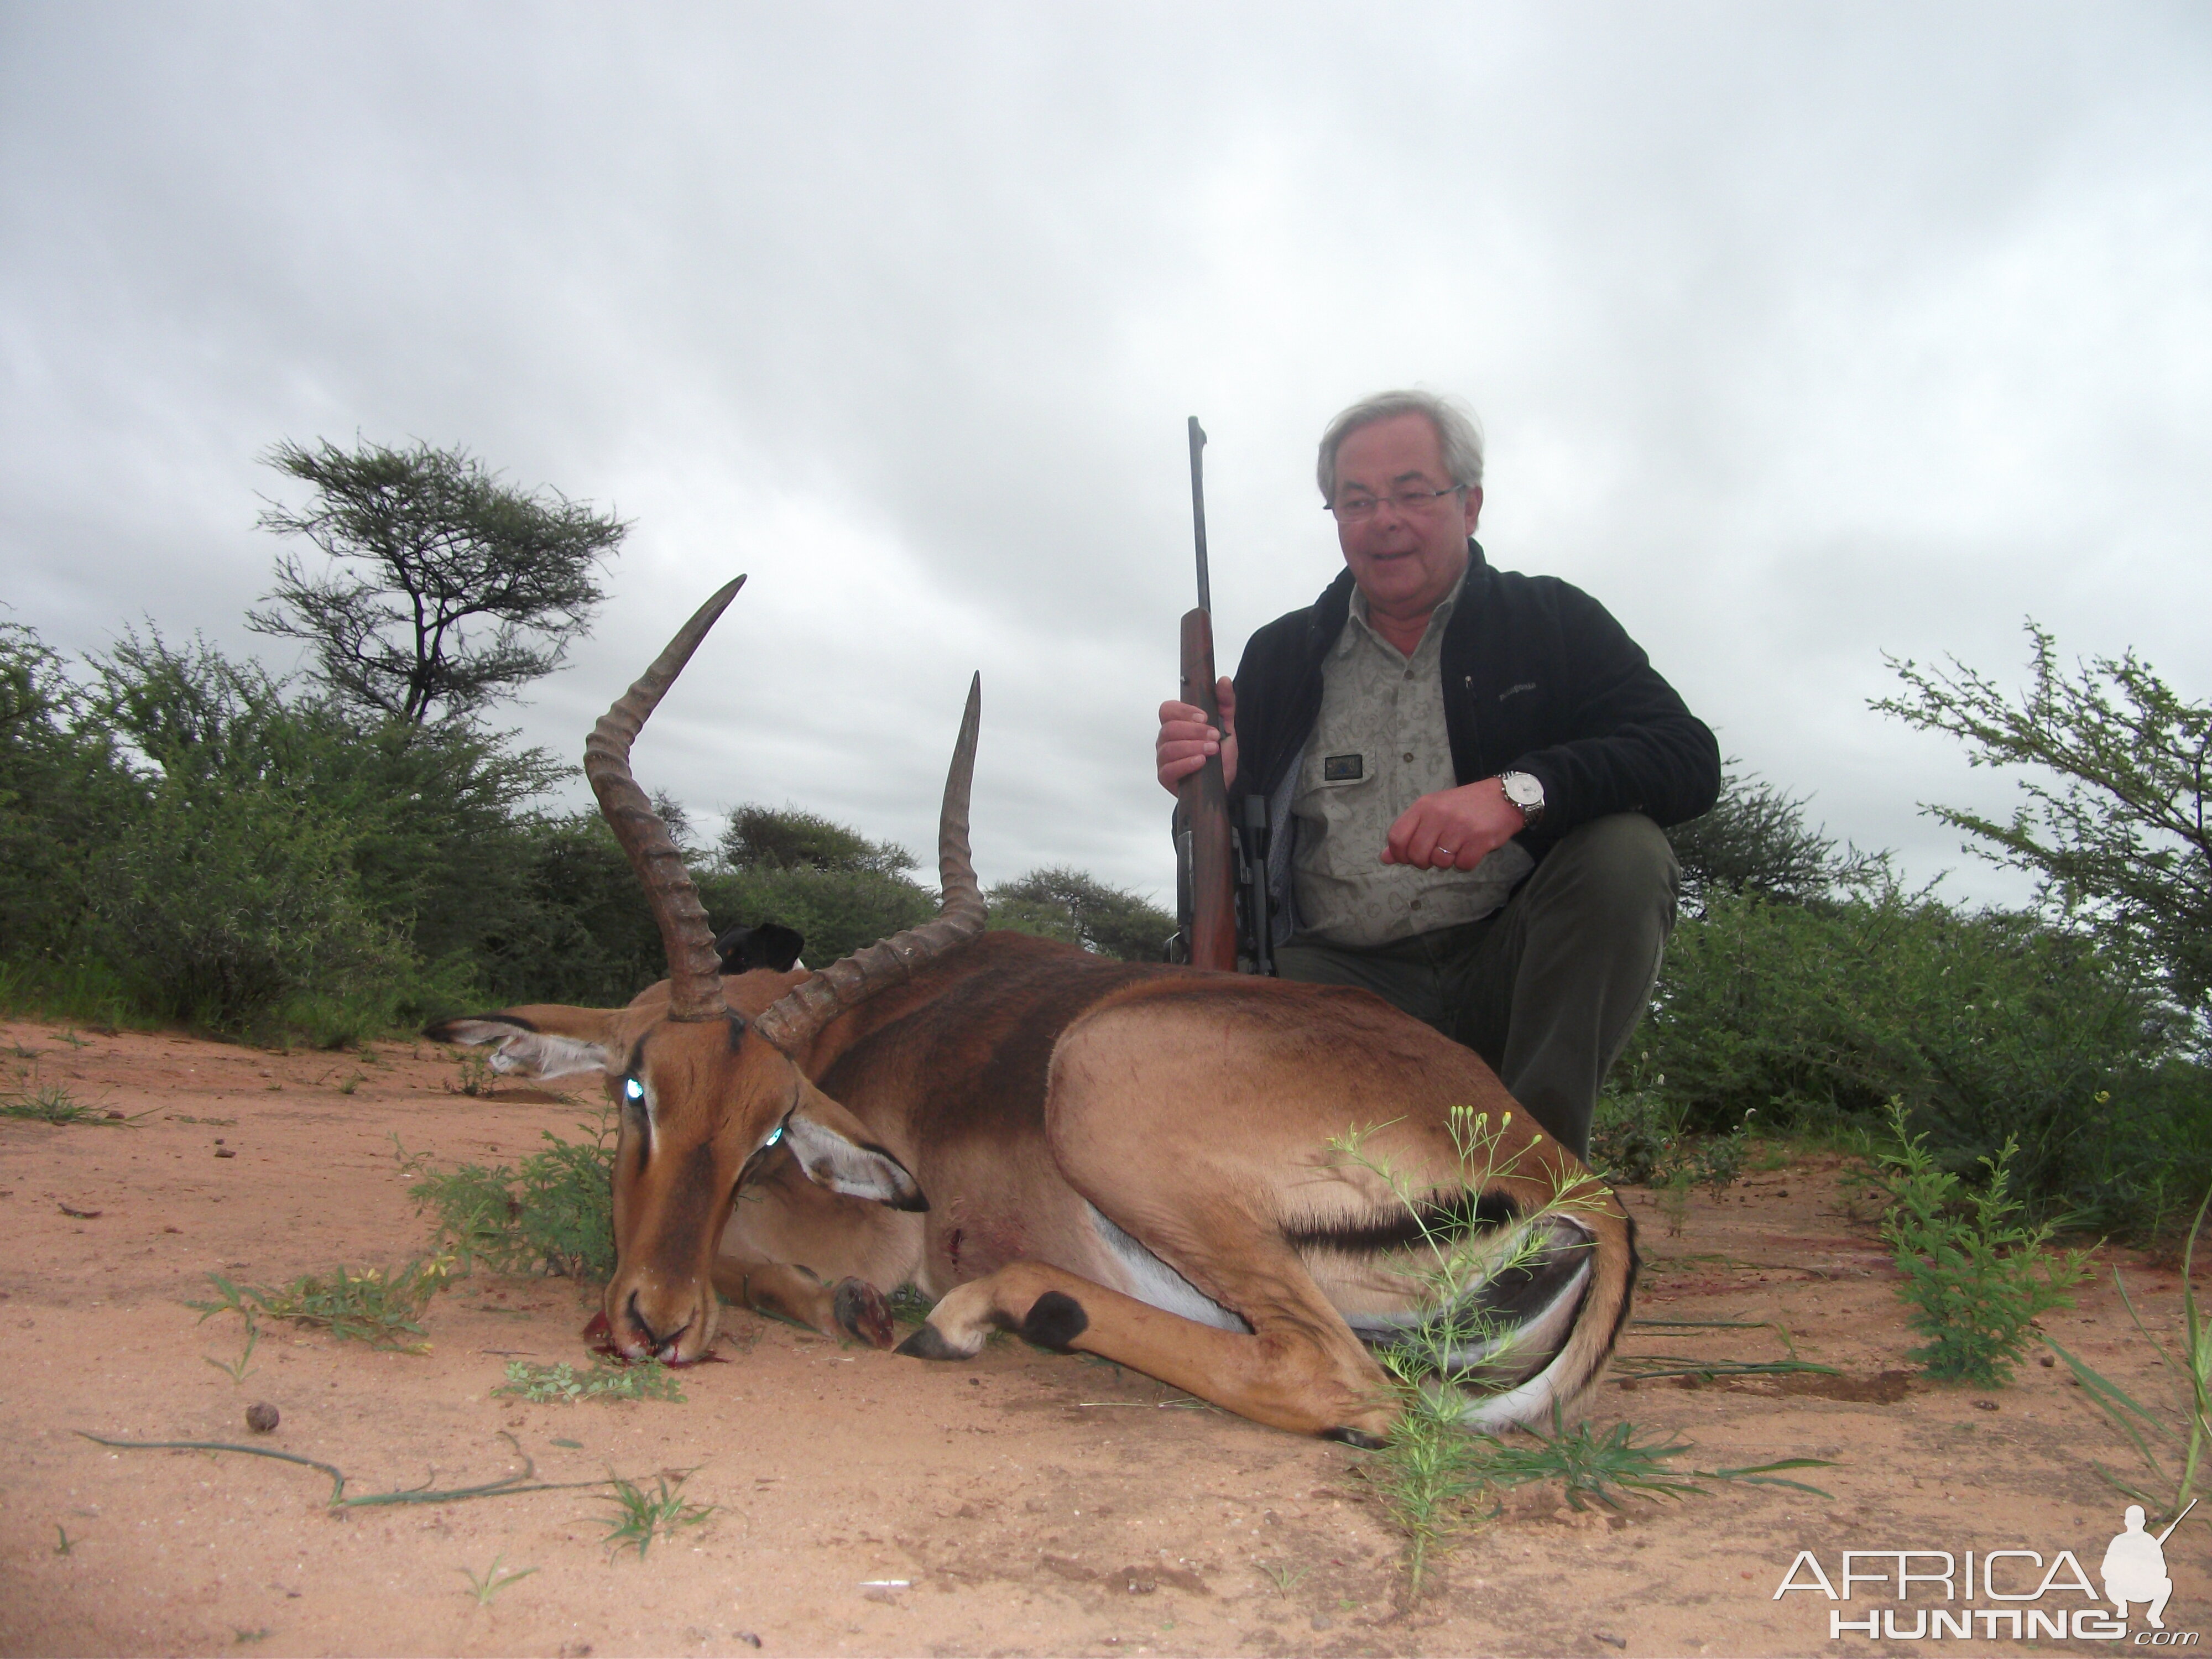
{"x": 1801, "y": 335}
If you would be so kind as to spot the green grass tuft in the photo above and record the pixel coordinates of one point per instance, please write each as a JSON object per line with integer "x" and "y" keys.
{"x": 51, "y": 1103}
{"x": 382, "y": 1308}
{"x": 2181, "y": 1432}
{"x": 239, "y": 1368}
{"x": 640, "y": 1517}
{"x": 1615, "y": 1463}
{"x": 486, "y": 1586}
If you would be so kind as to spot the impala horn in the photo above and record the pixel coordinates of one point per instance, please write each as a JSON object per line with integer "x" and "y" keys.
{"x": 695, "y": 971}
{"x": 791, "y": 1022}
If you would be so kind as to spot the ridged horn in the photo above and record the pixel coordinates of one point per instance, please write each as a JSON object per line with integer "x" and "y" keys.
{"x": 695, "y": 971}
{"x": 791, "y": 1022}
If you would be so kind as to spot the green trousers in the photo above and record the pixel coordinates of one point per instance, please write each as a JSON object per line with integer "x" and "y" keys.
{"x": 1549, "y": 988}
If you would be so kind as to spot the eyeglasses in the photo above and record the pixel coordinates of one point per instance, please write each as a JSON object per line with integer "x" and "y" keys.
{"x": 1407, "y": 503}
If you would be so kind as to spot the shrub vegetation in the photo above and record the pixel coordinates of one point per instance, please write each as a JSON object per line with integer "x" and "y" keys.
{"x": 1808, "y": 986}
{"x": 185, "y": 837}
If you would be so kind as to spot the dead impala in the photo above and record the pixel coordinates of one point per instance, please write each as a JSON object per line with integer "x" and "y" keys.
{"x": 1226, "y": 1182}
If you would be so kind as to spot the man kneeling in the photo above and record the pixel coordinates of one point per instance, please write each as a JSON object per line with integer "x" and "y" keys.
{"x": 1467, "y": 769}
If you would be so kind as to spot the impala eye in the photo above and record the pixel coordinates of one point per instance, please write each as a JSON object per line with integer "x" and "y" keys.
{"x": 633, "y": 1089}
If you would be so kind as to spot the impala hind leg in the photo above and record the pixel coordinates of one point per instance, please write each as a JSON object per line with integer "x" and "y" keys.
{"x": 1299, "y": 1368}
{"x": 850, "y": 1308}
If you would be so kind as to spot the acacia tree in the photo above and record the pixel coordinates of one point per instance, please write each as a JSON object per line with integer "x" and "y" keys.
{"x": 2119, "y": 836}
{"x": 1076, "y": 906}
{"x": 445, "y": 588}
{"x": 786, "y": 838}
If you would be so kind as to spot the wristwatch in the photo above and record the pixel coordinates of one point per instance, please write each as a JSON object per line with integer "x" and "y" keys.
{"x": 1525, "y": 792}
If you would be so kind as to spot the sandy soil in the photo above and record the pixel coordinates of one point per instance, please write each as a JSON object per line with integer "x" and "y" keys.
{"x": 1026, "y": 1502}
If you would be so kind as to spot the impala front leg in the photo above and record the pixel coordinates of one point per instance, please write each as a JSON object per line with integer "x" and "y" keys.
{"x": 782, "y": 1290}
{"x": 1025, "y": 1299}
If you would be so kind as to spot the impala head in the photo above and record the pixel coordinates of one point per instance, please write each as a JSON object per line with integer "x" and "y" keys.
{"x": 700, "y": 1067}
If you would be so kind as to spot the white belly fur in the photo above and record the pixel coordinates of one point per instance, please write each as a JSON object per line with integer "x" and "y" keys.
{"x": 1152, "y": 1281}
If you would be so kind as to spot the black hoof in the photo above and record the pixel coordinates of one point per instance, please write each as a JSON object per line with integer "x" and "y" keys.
{"x": 926, "y": 1344}
{"x": 861, "y": 1312}
{"x": 1359, "y": 1438}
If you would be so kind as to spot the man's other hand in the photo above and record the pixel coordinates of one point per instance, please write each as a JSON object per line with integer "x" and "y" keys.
{"x": 1454, "y": 829}
{"x": 1186, "y": 739}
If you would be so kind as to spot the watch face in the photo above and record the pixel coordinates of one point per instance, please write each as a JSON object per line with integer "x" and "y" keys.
{"x": 1523, "y": 790}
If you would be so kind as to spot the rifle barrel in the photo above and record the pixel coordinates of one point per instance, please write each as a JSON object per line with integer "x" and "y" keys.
{"x": 1213, "y": 924}
{"x": 1198, "y": 511}
{"x": 2177, "y": 1520}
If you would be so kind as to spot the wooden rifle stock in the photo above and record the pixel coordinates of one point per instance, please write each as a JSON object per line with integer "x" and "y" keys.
{"x": 1212, "y": 936}
{"x": 1210, "y": 930}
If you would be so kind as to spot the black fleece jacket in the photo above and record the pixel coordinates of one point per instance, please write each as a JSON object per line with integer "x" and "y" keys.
{"x": 1538, "y": 678}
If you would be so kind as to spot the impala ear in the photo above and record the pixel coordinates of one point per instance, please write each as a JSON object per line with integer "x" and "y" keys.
{"x": 522, "y": 1049}
{"x": 833, "y": 1147}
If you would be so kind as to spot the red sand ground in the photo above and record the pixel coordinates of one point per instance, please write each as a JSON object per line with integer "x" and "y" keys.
{"x": 864, "y": 1503}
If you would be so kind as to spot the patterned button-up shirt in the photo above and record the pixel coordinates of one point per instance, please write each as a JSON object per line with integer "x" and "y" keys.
{"x": 1378, "y": 746}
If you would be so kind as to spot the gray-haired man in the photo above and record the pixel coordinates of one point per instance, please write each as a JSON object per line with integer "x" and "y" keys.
{"x": 1466, "y": 768}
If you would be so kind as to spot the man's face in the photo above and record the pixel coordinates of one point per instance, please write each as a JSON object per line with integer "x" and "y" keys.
{"x": 1405, "y": 559}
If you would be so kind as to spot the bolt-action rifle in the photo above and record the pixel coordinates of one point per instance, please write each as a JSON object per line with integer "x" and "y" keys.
{"x": 1221, "y": 875}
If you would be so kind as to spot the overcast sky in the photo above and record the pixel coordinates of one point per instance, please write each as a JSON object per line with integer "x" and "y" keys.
{"x": 1801, "y": 334}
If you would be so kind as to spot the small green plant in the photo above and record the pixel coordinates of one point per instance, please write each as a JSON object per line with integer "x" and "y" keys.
{"x": 909, "y": 1304}
{"x": 1282, "y": 1574}
{"x": 1717, "y": 1165}
{"x": 1975, "y": 1276}
{"x": 640, "y": 1517}
{"x": 477, "y": 1079}
{"x": 63, "y": 1544}
{"x": 379, "y": 1308}
{"x": 542, "y": 1384}
{"x": 351, "y": 1081}
{"x": 1635, "y": 1138}
{"x": 553, "y": 1213}
{"x": 486, "y": 1587}
{"x": 2182, "y": 1431}
{"x": 1423, "y": 1473}
{"x": 1426, "y": 1477}
{"x": 239, "y": 1368}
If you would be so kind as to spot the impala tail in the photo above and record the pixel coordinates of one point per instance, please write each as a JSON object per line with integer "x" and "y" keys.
{"x": 1520, "y": 1324}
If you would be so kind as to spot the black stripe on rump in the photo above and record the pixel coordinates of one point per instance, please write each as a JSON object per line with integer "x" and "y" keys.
{"x": 438, "y": 1031}
{"x": 1441, "y": 1218}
